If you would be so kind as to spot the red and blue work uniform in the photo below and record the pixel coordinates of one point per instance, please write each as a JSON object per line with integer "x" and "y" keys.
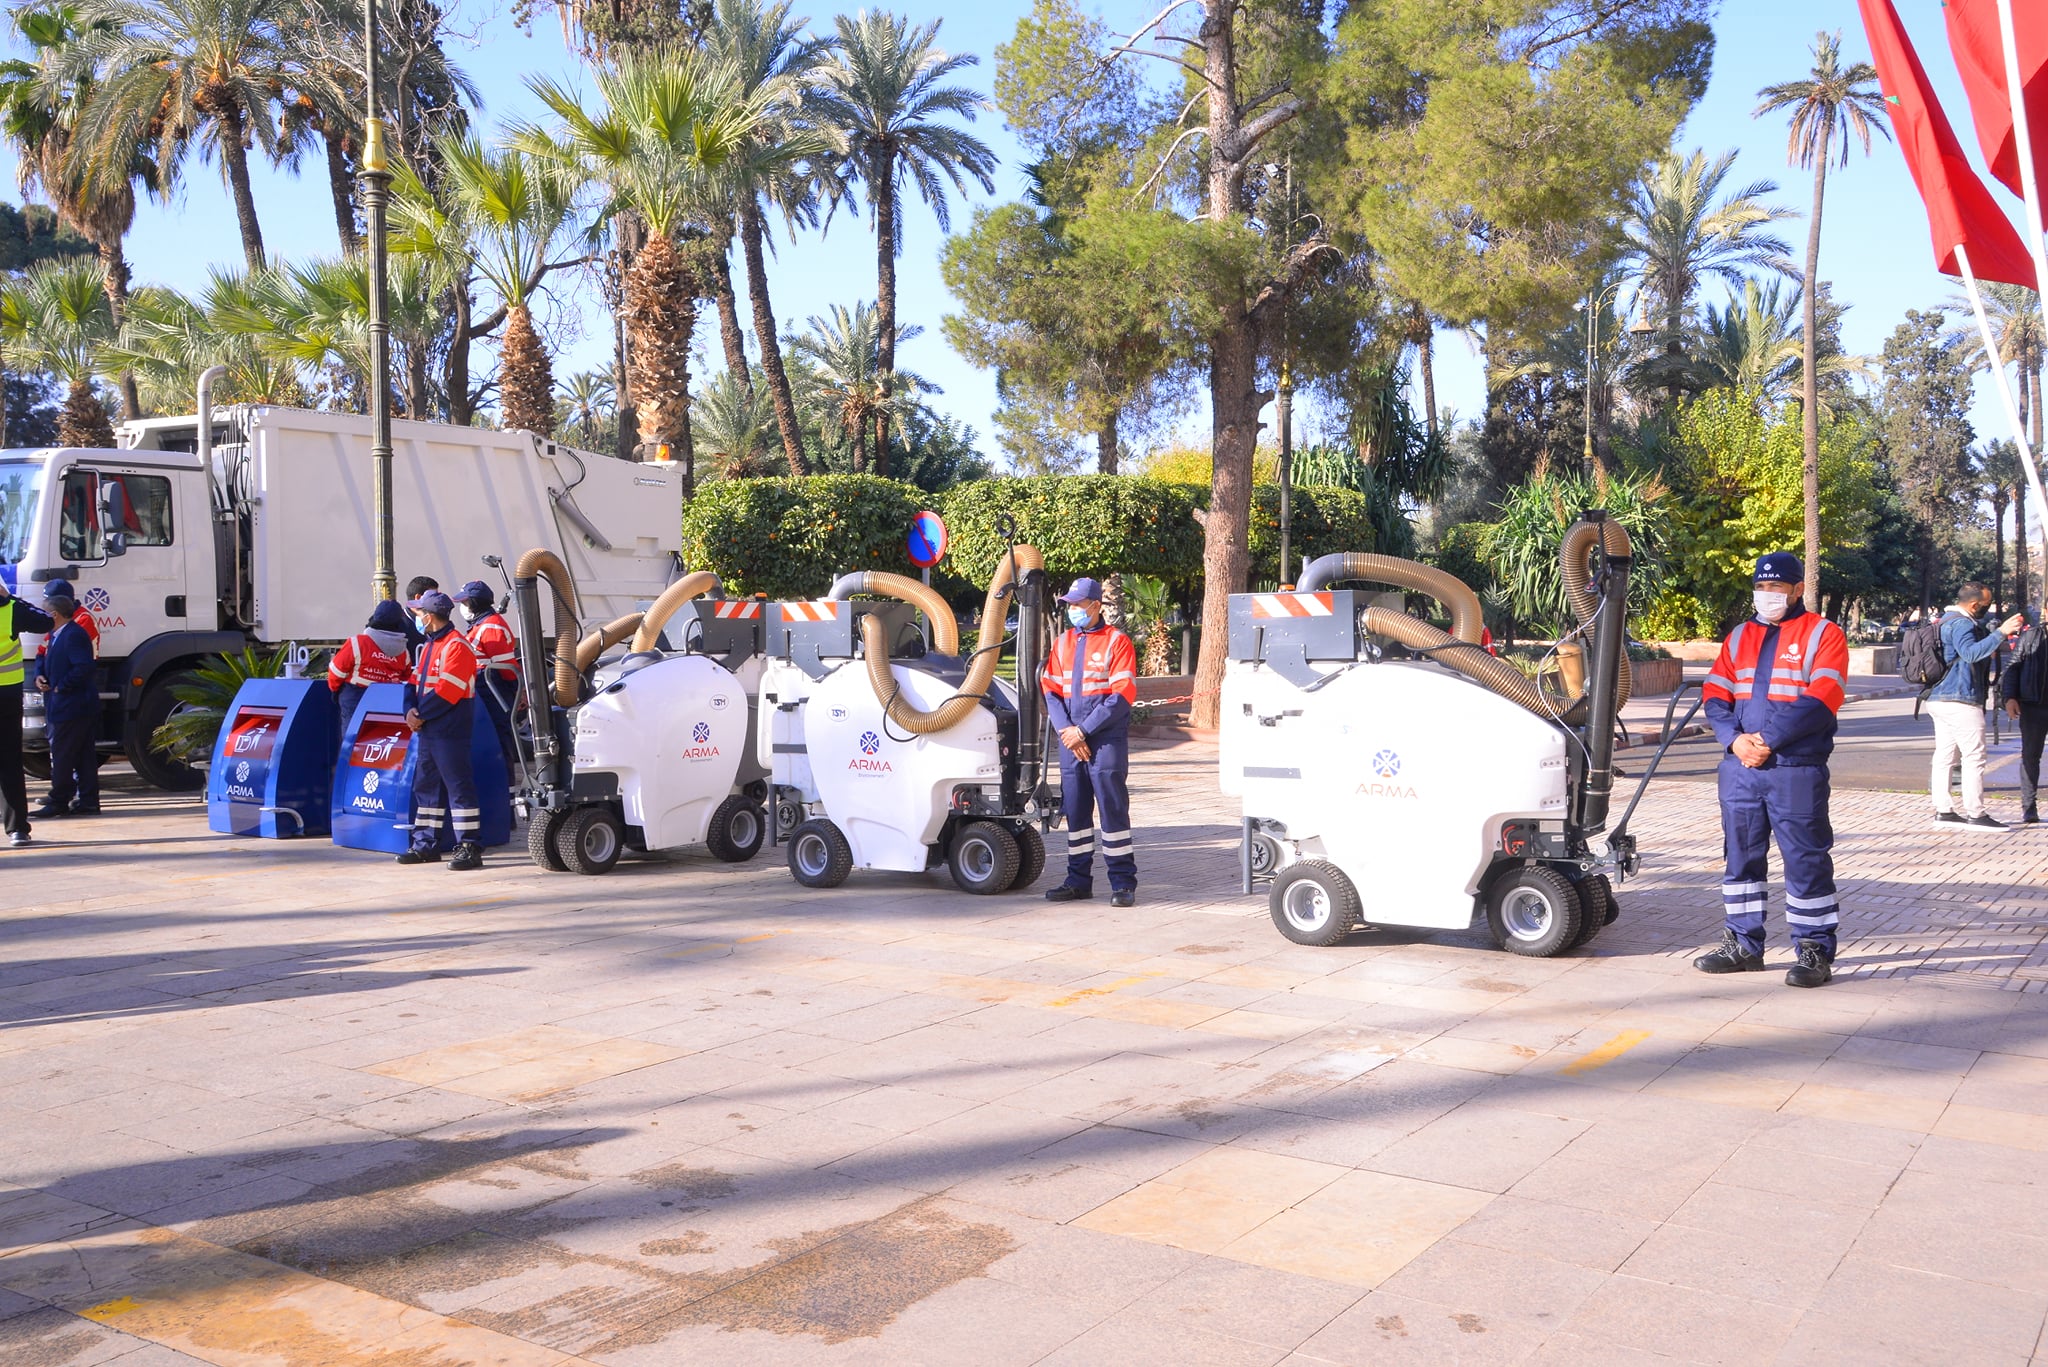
{"x": 497, "y": 652}
{"x": 1091, "y": 681}
{"x": 1785, "y": 683}
{"x": 71, "y": 705}
{"x": 443, "y": 691}
{"x": 368, "y": 657}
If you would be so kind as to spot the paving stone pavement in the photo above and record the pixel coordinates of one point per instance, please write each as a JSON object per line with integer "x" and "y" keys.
{"x": 274, "y": 1103}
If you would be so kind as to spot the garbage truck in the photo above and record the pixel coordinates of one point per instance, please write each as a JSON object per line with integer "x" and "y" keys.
{"x": 253, "y": 526}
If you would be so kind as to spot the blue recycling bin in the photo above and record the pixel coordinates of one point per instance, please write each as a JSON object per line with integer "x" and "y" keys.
{"x": 273, "y": 762}
{"x": 371, "y": 800}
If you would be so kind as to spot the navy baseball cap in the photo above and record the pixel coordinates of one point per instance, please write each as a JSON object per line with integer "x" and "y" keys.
{"x": 59, "y": 588}
{"x": 1085, "y": 590}
{"x": 475, "y": 591}
{"x": 1780, "y": 567}
{"x": 434, "y": 601}
{"x": 387, "y": 616}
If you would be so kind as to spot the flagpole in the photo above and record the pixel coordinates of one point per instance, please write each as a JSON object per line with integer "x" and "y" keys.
{"x": 2012, "y": 408}
{"x": 2030, "y": 193}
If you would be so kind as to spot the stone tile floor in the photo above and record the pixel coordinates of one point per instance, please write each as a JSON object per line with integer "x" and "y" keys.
{"x": 281, "y": 1104}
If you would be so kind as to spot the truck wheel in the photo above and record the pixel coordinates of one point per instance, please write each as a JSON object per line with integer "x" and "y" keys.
{"x": 819, "y": 856}
{"x": 1030, "y": 857}
{"x": 1313, "y": 903}
{"x": 542, "y": 830}
{"x": 590, "y": 840}
{"x": 984, "y": 858}
{"x": 1534, "y": 911}
{"x": 1598, "y": 907}
{"x": 737, "y": 829}
{"x": 36, "y": 764}
{"x": 153, "y": 767}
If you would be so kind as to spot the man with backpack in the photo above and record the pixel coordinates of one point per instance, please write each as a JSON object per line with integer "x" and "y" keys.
{"x": 1955, "y": 702}
{"x": 2023, "y": 692}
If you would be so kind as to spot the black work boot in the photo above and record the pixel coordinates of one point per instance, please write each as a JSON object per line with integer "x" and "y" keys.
{"x": 416, "y": 855}
{"x": 1067, "y": 892}
{"x": 1124, "y": 897}
{"x": 468, "y": 855}
{"x": 1731, "y": 957}
{"x": 1813, "y": 968}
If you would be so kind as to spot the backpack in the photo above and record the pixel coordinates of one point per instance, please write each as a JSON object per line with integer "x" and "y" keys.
{"x": 1921, "y": 662}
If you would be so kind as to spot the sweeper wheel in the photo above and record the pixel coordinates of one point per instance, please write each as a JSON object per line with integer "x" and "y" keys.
{"x": 819, "y": 856}
{"x": 738, "y": 829}
{"x": 1598, "y": 907}
{"x": 984, "y": 858}
{"x": 542, "y": 828}
{"x": 1313, "y": 903}
{"x": 1030, "y": 857}
{"x": 1533, "y": 911}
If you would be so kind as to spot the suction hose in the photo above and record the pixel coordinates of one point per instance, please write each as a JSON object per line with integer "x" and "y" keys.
{"x": 1579, "y": 544}
{"x": 604, "y": 638}
{"x": 674, "y": 596}
{"x": 981, "y": 672}
{"x": 547, "y": 565}
{"x": 1473, "y": 661}
{"x": 1467, "y": 622}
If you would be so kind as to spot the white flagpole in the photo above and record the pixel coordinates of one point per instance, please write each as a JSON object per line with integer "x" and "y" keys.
{"x": 2023, "y": 148}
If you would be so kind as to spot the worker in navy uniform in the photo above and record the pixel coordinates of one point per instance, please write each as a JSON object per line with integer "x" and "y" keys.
{"x": 497, "y": 653}
{"x": 1772, "y": 699}
{"x": 67, "y": 677}
{"x": 15, "y": 618}
{"x": 441, "y": 710}
{"x": 415, "y": 588}
{"x": 1090, "y": 683}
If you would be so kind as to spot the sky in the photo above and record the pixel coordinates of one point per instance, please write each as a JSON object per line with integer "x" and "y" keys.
{"x": 1874, "y": 246}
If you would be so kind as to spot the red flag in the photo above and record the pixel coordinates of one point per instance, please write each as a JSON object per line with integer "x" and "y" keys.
{"x": 1973, "y": 34}
{"x": 1960, "y": 211}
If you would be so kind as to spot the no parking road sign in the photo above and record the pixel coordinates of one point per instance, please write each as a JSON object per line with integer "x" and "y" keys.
{"x": 927, "y": 540}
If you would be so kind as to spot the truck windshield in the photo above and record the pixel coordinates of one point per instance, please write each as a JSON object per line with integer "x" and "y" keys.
{"x": 19, "y": 484}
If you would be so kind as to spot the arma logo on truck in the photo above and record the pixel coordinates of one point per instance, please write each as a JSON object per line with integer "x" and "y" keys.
{"x": 701, "y": 750}
{"x": 866, "y": 762}
{"x": 100, "y": 604}
{"x": 1387, "y": 765}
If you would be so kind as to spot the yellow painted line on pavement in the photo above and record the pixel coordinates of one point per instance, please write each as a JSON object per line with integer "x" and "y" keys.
{"x": 1087, "y": 993}
{"x": 726, "y": 944}
{"x": 1606, "y": 1053}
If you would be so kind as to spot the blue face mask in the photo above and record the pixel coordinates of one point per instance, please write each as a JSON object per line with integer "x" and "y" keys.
{"x": 1078, "y": 615}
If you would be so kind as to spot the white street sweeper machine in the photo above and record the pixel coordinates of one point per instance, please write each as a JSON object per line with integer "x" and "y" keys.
{"x": 652, "y": 749}
{"x": 887, "y": 754}
{"x": 1395, "y": 774}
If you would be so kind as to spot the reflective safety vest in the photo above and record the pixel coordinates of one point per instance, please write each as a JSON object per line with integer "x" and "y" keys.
{"x": 496, "y": 648}
{"x": 10, "y": 647}
{"x": 1812, "y": 659}
{"x": 360, "y": 662}
{"x": 1109, "y": 664}
{"x": 448, "y": 667}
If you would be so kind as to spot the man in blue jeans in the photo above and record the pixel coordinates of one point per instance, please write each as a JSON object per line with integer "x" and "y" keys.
{"x": 1955, "y": 704}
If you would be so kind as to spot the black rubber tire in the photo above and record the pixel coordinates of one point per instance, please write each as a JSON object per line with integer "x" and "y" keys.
{"x": 542, "y": 829}
{"x": 36, "y": 764}
{"x": 1265, "y": 854}
{"x": 1030, "y": 857}
{"x": 819, "y": 856}
{"x": 590, "y": 840}
{"x": 155, "y": 769}
{"x": 983, "y": 858}
{"x": 1597, "y": 907}
{"x": 738, "y": 829}
{"x": 1533, "y": 911}
{"x": 1313, "y": 903}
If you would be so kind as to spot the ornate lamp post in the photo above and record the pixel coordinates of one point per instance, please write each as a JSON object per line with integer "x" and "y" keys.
{"x": 376, "y": 183}
{"x": 1284, "y": 401}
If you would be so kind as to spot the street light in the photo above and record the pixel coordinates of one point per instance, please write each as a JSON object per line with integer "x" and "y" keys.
{"x": 1591, "y": 306}
{"x": 376, "y": 176}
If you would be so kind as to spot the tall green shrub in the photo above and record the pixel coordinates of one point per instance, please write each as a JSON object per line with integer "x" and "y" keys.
{"x": 1521, "y": 546}
{"x": 1082, "y": 524}
{"x": 790, "y": 538}
{"x": 1325, "y": 521}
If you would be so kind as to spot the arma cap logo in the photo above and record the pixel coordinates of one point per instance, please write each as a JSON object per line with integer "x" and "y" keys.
{"x": 97, "y": 600}
{"x": 370, "y": 781}
{"x": 242, "y": 772}
{"x": 869, "y": 742}
{"x": 865, "y": 762}
{"x": 1386, "y": 764}
{"x": 701, "y": 732}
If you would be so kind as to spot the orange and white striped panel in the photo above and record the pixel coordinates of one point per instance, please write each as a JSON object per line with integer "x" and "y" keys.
{"x": 821, "y": 610}
{"x": 744, "y": 607}
{"x": 1291, "y": 605}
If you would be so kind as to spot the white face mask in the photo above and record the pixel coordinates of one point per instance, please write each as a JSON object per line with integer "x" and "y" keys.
{"x": 1770, "y": 604}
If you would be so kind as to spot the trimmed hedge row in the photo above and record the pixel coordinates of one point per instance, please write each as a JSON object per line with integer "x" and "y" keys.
{"x": 789, "y": 538}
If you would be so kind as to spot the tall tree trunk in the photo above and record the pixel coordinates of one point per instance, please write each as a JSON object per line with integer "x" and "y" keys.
{"x": 526, "y": 381}
{"x": 771, "y": 345}
{"x": 729, "y": 332}
{"x": 1810, "y": 382}
{"x": 1105, "y": 444}
{"x": 1425, "y": 357}
{"x": 82, "y": 421}
{"x": 341, "y": 188}
{"x": 114, "y": 272}
{"x": 661, "y": 315}
{"x": 883, "y": 177}
{"x": 417, "y": 398}
{"x": 455, "y": 366}
{"x": 236, "y": 158}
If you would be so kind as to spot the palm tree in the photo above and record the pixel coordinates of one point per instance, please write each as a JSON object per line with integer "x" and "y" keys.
{"x": 588, "y": 403}
{"x": 507, "y": 215}
{"x": 183, "y": 72}
{"x": 1753, "y": 344}
{"x": 1832, "y": 103}
{"x": 785, "y": 162}
{"x": 885, "y": 95}
{"x": 61, "y": 322}
{"x": 1681, "y": 231}
{"x": 736, "y": 426}
{"x": 844, "y": 353}
{"x": 168, "y": 338}
{"x": 666, "y": 119}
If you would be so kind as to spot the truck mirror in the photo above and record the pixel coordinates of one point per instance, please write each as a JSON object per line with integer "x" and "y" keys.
{"x": 115, "y": 543}
{"x": 113, "y": 507}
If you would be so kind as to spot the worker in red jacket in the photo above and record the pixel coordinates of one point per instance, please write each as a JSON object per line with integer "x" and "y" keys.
{"x": 376, "y": 654}
{"x": 497, "y": 653}
{"x": 1090, "y": 685}
{"x": 441, "y": 710}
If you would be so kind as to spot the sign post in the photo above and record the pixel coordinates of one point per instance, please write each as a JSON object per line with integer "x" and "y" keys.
{"x": 927, "y": 546}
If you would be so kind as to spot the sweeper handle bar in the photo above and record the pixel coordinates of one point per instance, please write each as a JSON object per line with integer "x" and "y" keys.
{"x": 1618, "y": 839}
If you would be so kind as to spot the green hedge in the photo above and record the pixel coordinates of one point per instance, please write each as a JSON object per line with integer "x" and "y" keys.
{"x": 790, "y": 538}
{"x": 1082, "y": 524}
{"x": 1325, "y": 521}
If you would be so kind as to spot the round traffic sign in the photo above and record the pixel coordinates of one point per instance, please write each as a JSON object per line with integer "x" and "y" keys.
{"x": 927, "y": 540}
